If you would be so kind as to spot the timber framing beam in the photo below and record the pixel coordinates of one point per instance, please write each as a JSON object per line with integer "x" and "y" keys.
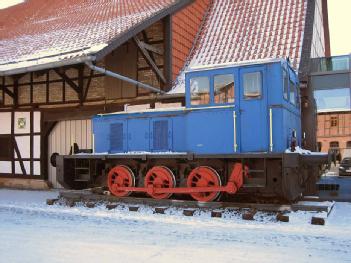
{"x": 77, "y": 88}
{"x": 48, "y": 127}
{"x": 81, "y": 83}
{"x": 85, "y": 94}
{"x": 8, "y": 92}
{"x": 150, "y": 48}
{"x": 16, "y": 79}
{"x": 167, "y": 44}
{"x": 18, "y": 153}
{"x": 149, "y": 45}
{"x": 151, "y": 62}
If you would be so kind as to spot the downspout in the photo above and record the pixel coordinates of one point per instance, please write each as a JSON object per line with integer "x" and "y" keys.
{"x": 124, "y": 78}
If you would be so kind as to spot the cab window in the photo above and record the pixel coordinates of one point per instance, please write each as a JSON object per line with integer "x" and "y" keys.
{"x": 224, "y": 89}
{"x": 253, "y": 85}
{"x": 200, "y": 90}
{"x": 297, "y": 95}
{"x": 292, "y": 93}
{"x": 285, "y": 84}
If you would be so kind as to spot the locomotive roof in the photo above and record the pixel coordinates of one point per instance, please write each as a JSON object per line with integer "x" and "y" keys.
{"x": 236, "y": 64}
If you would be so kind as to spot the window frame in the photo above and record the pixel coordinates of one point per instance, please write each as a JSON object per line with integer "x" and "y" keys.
{"x": 213, "y": 76}
{"x": 334, "y": 120}
{"x": 261, "y": 85}
{"x": 210, "y": 91}
{"x": 286, "y": 76}
{"x": 292, "y": 84}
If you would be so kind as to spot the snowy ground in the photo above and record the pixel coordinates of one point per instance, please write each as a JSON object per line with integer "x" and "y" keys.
{"x": 30, "y": 231}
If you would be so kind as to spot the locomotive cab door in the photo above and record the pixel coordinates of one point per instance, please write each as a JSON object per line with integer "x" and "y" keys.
{"x": 253, "y": 114}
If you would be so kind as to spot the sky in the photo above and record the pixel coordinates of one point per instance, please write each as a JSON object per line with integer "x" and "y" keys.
{"x": 8, "y": 3}
{"x": 339, "y": 12}
{"x": 339, "y": 24}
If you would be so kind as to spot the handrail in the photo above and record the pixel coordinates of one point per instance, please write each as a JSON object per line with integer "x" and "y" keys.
{"x": 270, "y": 130}
{"x": 235, "y": 139}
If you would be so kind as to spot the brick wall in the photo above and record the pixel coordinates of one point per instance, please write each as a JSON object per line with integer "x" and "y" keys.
{"x": 185, "y": 25}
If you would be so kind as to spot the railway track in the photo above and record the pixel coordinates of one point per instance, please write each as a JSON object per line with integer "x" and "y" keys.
{"x": 319, "y": 210}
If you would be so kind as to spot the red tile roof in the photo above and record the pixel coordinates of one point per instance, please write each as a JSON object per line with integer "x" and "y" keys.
{"x": 248, "y": 30}
{"x": 40, "y": 31}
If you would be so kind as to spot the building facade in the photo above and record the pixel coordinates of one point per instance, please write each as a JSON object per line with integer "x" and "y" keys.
{"x": 334, "y": 131}
{"x": 331, "y": 82}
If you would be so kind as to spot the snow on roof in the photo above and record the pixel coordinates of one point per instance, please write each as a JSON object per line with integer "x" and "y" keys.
{"x": 234, "y": 64}
{"x": 39, "y": 31}
{"x": 249, "y": 30}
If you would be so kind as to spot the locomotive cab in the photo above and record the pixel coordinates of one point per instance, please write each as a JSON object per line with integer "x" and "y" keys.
{"x": 262, "y": 104}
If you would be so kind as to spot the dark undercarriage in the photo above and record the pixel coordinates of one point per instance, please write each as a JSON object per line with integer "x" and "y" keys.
{"x": 279, "y": 177}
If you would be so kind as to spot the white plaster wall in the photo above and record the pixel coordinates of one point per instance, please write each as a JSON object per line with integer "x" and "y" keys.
{"x": 23, "y": 143}
{"x": 18, "y": 169}
{"x": 5, "y": 167}
{"x": 36, "y": 148}
{"x": 36, "y": 121}
{"x": 36, "y": 167}
{"x": 5, "y": 122}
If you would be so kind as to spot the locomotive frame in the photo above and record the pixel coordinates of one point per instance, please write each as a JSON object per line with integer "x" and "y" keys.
{"x": 272, "y": 176}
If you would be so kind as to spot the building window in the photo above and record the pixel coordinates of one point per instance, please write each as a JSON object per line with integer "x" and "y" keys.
{"x": 334, "y": 121}
{"x": 292, "y": 92}
{"x": 6, "y": 151}
{"x": 348, "y": 144}
{"x": 253, "y": 85}
{"x": 334, "y": 144}
{"x": 285, "y": 84}
{"x": 224, "y": 89}
{"x": 200, "y": 90}
{"x": 319, "y": 146}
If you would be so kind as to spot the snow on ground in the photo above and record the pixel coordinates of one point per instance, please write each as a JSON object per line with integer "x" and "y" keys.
{"x": 31, "y": 231}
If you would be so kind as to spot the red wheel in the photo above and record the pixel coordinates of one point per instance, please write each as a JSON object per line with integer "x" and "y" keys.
{"x": 160, "y": 177}
{"x": 204, "y": 176}
{"x": 120, "y": 176}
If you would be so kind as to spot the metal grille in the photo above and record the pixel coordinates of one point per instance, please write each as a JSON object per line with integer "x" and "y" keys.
{"x": 116, "y": 137}
{"x": 160, "y": 135}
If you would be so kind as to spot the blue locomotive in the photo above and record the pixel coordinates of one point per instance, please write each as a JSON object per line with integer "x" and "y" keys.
{"x": 236, "y": 135}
